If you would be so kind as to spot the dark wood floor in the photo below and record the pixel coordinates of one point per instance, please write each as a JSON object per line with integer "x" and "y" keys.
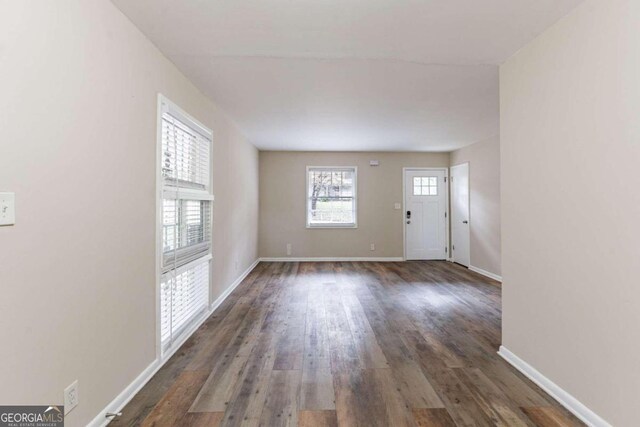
{"x": 348, "y": 344}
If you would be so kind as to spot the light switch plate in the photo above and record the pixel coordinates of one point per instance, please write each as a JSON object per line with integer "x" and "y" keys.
{"x": 397, "y": 206}
{"x": 7, "y": 208}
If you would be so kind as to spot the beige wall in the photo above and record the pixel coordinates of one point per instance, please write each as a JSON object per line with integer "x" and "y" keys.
{"x": 484, "y": 186}
{"x": 570, "y": 136}
{"x": 79, "y": 87}
{"x": 283, "y": 195}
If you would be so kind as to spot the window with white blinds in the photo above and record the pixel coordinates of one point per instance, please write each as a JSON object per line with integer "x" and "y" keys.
{"x": 184, "y": 292}
{"x": 186, "y": 230}
{"x": 185, "y": 154}
{"x": 331, "y": 196}
{"x": 185, "y": 221}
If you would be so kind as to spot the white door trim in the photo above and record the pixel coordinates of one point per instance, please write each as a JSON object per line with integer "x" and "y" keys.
{"x": 404, "y": 207}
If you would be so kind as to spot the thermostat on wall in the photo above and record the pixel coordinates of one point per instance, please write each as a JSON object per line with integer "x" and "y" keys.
{"x": 374, "y": 162}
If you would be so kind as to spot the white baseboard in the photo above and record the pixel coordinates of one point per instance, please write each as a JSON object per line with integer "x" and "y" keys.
{"x": 132, "y": 389}
{"x": 486, "y": 273}
{"x": 585, "y": 414}
{"x": 325, "y": 259}
{"x": 126, "y": 395}
{"x": 233, "y": 286}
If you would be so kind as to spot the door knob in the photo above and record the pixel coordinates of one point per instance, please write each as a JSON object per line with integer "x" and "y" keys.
{"x": 465, "y": 222}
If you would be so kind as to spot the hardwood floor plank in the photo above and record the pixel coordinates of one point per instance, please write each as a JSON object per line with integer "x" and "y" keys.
{"x": 498, "y": 407}
{"x": 371, "y": 355}
{"x": 201, "y": 419}
{"x": 411, "y": 383}
{"x": 317, "y": 391}
{"x": 317, "y": 419}
{"x": 216, "y": 392}
{"x": 316, "y": 338}
{"x": 358, "y": 399}
{"x": 146, "y": 399}
{"x": 547, "y": 416}
{"x": 247, "y": 400}
{"x": 342, "y": 348}
{"x": 520, "y": 390}
{"x": 433, "y": 418}
{"x": 388, "y": 334}
{"x": 437, "y": 344}
{"x": 396, "y": 406}
{"x": 290, "y": 349}
{"x": 176, "y": 402}
{"x": 457, "y": 398}
{"x": 278, "y": 292}
{"x": 232, "y": 324}
{"x": 281, "y": 406}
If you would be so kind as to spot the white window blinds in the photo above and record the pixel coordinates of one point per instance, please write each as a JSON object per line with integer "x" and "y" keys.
{"x": 186, "y": 222}
{"x": 185, "y": 155}
{"x": 184, "y": 293}
{"x": 186, "y": 230}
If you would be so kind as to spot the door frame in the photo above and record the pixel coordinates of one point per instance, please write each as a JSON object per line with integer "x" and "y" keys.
{"x": 468, "y": 164}
{"x": 446, "y": 209}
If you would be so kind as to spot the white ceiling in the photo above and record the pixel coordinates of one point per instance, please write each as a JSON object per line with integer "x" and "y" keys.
{"x": 415, "y": 75}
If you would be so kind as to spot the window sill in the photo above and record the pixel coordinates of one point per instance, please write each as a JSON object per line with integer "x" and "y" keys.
{"x": 332, "y": 226}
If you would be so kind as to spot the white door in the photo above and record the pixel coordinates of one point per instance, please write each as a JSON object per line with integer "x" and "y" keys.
{"x": 460, "y": 247}
{"x": 425, "y": 214}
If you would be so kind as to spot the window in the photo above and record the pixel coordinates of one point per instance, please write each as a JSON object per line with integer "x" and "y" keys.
{"x": 182, "y": 293}
{"x": 185, "y": 221}
{"x": 331, "y": 197}
{"x": 425, "y": 186}
{"x": 186, "y": 229}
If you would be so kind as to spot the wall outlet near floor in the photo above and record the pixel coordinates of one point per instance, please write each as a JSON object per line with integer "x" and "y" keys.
{"x": 7, "y": 208}
{"x": 71, "y": 397}
{"x": 372, "y": 246}
{"x": 288, "y": 248}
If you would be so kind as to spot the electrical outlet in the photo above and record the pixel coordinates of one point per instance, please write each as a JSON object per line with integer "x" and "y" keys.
{"x": 7, "y": 208}
{"x": 71, "y": 397}
{"x": 288, "y": 248}
{"x": 373, "y": 246}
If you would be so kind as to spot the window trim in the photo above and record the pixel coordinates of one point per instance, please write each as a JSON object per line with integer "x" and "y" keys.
{"x": 355, "y": 197}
